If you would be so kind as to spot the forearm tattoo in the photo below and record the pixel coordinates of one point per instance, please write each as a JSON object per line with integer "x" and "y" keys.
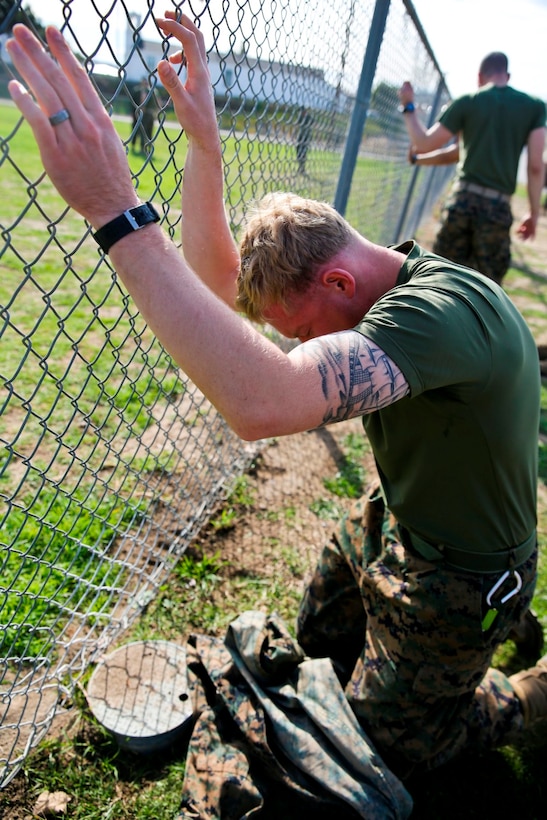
{"x": 357, "y": 377}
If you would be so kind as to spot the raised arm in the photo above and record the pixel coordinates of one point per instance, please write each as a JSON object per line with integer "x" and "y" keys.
{"x": 259, "y": 390}
{"x": 423, "y": 140}
{"x": 207, "y": 242}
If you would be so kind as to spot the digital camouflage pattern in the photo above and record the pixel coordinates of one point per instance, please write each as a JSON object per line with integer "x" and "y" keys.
{"x": 474, "y": 232}
{"x": 406, "y": 638}
{"x": 275, "y": 736}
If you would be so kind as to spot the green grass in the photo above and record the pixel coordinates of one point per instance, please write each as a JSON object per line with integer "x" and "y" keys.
{"x": 350, "y": 480}
{"x": 82, "y": 375}
{"x": 73, "y": 326}
{"x": 204, "y": 594}
{"x": 57, "y": 546}
{"x": 102, "y": 781}
{"x": 77, "y": 327}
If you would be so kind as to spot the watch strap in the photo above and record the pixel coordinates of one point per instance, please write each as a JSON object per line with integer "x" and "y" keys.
{"x": 131, "y": 220}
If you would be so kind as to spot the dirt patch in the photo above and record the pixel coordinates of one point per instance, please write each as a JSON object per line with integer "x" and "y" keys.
{"x": 290, "y": 473}
{"x": 526, "y": 284}
{"x": 278, "y": 536}
{"x": 275, "y": 542}
{"x": 287, "y": 481}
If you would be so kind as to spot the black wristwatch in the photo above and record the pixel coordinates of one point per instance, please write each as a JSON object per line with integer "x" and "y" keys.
{"x": 131, "y": 220}
{"x": 407, "y": 109}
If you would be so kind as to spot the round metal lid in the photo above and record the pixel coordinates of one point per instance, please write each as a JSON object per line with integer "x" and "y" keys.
{"x": 140, "y": 691}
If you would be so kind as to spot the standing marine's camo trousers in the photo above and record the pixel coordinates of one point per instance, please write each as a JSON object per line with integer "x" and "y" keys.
{"x": 475, "y": 232}
{"x": 407, "y": 641}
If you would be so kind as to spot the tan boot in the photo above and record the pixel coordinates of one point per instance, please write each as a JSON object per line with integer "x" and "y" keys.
{"x": 531, "y": 688}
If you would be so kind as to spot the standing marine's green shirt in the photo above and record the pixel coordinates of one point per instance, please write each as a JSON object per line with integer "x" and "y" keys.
{"x": 493, "y": 140}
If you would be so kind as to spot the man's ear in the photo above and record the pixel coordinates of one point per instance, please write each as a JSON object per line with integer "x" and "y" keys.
{"x": 341, "y": 280}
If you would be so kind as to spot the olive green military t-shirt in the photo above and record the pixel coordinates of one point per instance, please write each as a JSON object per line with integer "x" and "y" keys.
{"x": 458, "y": 457}
{"x": 494, "y": 123}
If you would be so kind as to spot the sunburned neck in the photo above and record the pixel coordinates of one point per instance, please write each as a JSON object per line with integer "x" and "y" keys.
{"x": 377, "y": 271}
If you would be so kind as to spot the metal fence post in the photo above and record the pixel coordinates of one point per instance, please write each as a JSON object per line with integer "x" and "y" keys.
{"x": 406, "y": 204}
{"x": 111, "y": 460}
{"x": 362, "y": 102}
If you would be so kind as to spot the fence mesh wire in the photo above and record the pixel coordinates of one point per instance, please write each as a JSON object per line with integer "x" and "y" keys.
{"x": 111, "y": 459}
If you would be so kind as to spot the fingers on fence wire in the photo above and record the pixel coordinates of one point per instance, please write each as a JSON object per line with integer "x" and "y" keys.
{"x": 75, "y": 77}
{"x": 55, "y": 86}
{"x": 186, "y": 32}
{"x": 179, "y": 58}
{"x": 33, "y": 64}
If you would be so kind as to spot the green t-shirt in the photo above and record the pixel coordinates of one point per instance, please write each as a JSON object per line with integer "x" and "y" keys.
{"x": 494, "y": 124}
{"x": 458, "y": 457}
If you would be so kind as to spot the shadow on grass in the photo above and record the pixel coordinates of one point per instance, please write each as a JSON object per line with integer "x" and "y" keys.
{"x": 523, "y": 267}
{"x": 509, "y": 782}
{"x": 96, "y": 773}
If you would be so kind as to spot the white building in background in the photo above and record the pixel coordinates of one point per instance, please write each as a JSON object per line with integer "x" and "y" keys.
{"x": 241, "y": 77}
{"x": 246, "y": 78}
{"x": 234, "y": 76}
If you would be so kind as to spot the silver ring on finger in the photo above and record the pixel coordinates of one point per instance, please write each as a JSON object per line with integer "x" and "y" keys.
{"x": 59, "y": 117}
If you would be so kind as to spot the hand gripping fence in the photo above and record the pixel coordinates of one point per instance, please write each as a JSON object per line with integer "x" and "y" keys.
{"x": 111, "y": 460}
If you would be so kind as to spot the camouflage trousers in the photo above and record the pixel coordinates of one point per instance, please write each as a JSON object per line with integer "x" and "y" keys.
{"x": 474, "y": 232}
{"x": 406, "y": 638}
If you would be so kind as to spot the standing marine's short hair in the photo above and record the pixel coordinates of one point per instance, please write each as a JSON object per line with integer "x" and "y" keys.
{"x": 286, "y": 239}
{"x": 494, "y": 63}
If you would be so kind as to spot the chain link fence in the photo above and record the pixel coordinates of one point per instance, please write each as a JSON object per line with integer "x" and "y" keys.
{"x": 111, "y": 459}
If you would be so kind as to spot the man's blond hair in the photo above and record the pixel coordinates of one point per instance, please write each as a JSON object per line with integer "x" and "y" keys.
{"x": 286, "y": 239}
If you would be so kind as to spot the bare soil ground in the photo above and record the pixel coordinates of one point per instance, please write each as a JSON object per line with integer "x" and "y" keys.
{"x": 527, "y": 283}
{"x": 290, "y": 473}
{"x": 277, "y": 538}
